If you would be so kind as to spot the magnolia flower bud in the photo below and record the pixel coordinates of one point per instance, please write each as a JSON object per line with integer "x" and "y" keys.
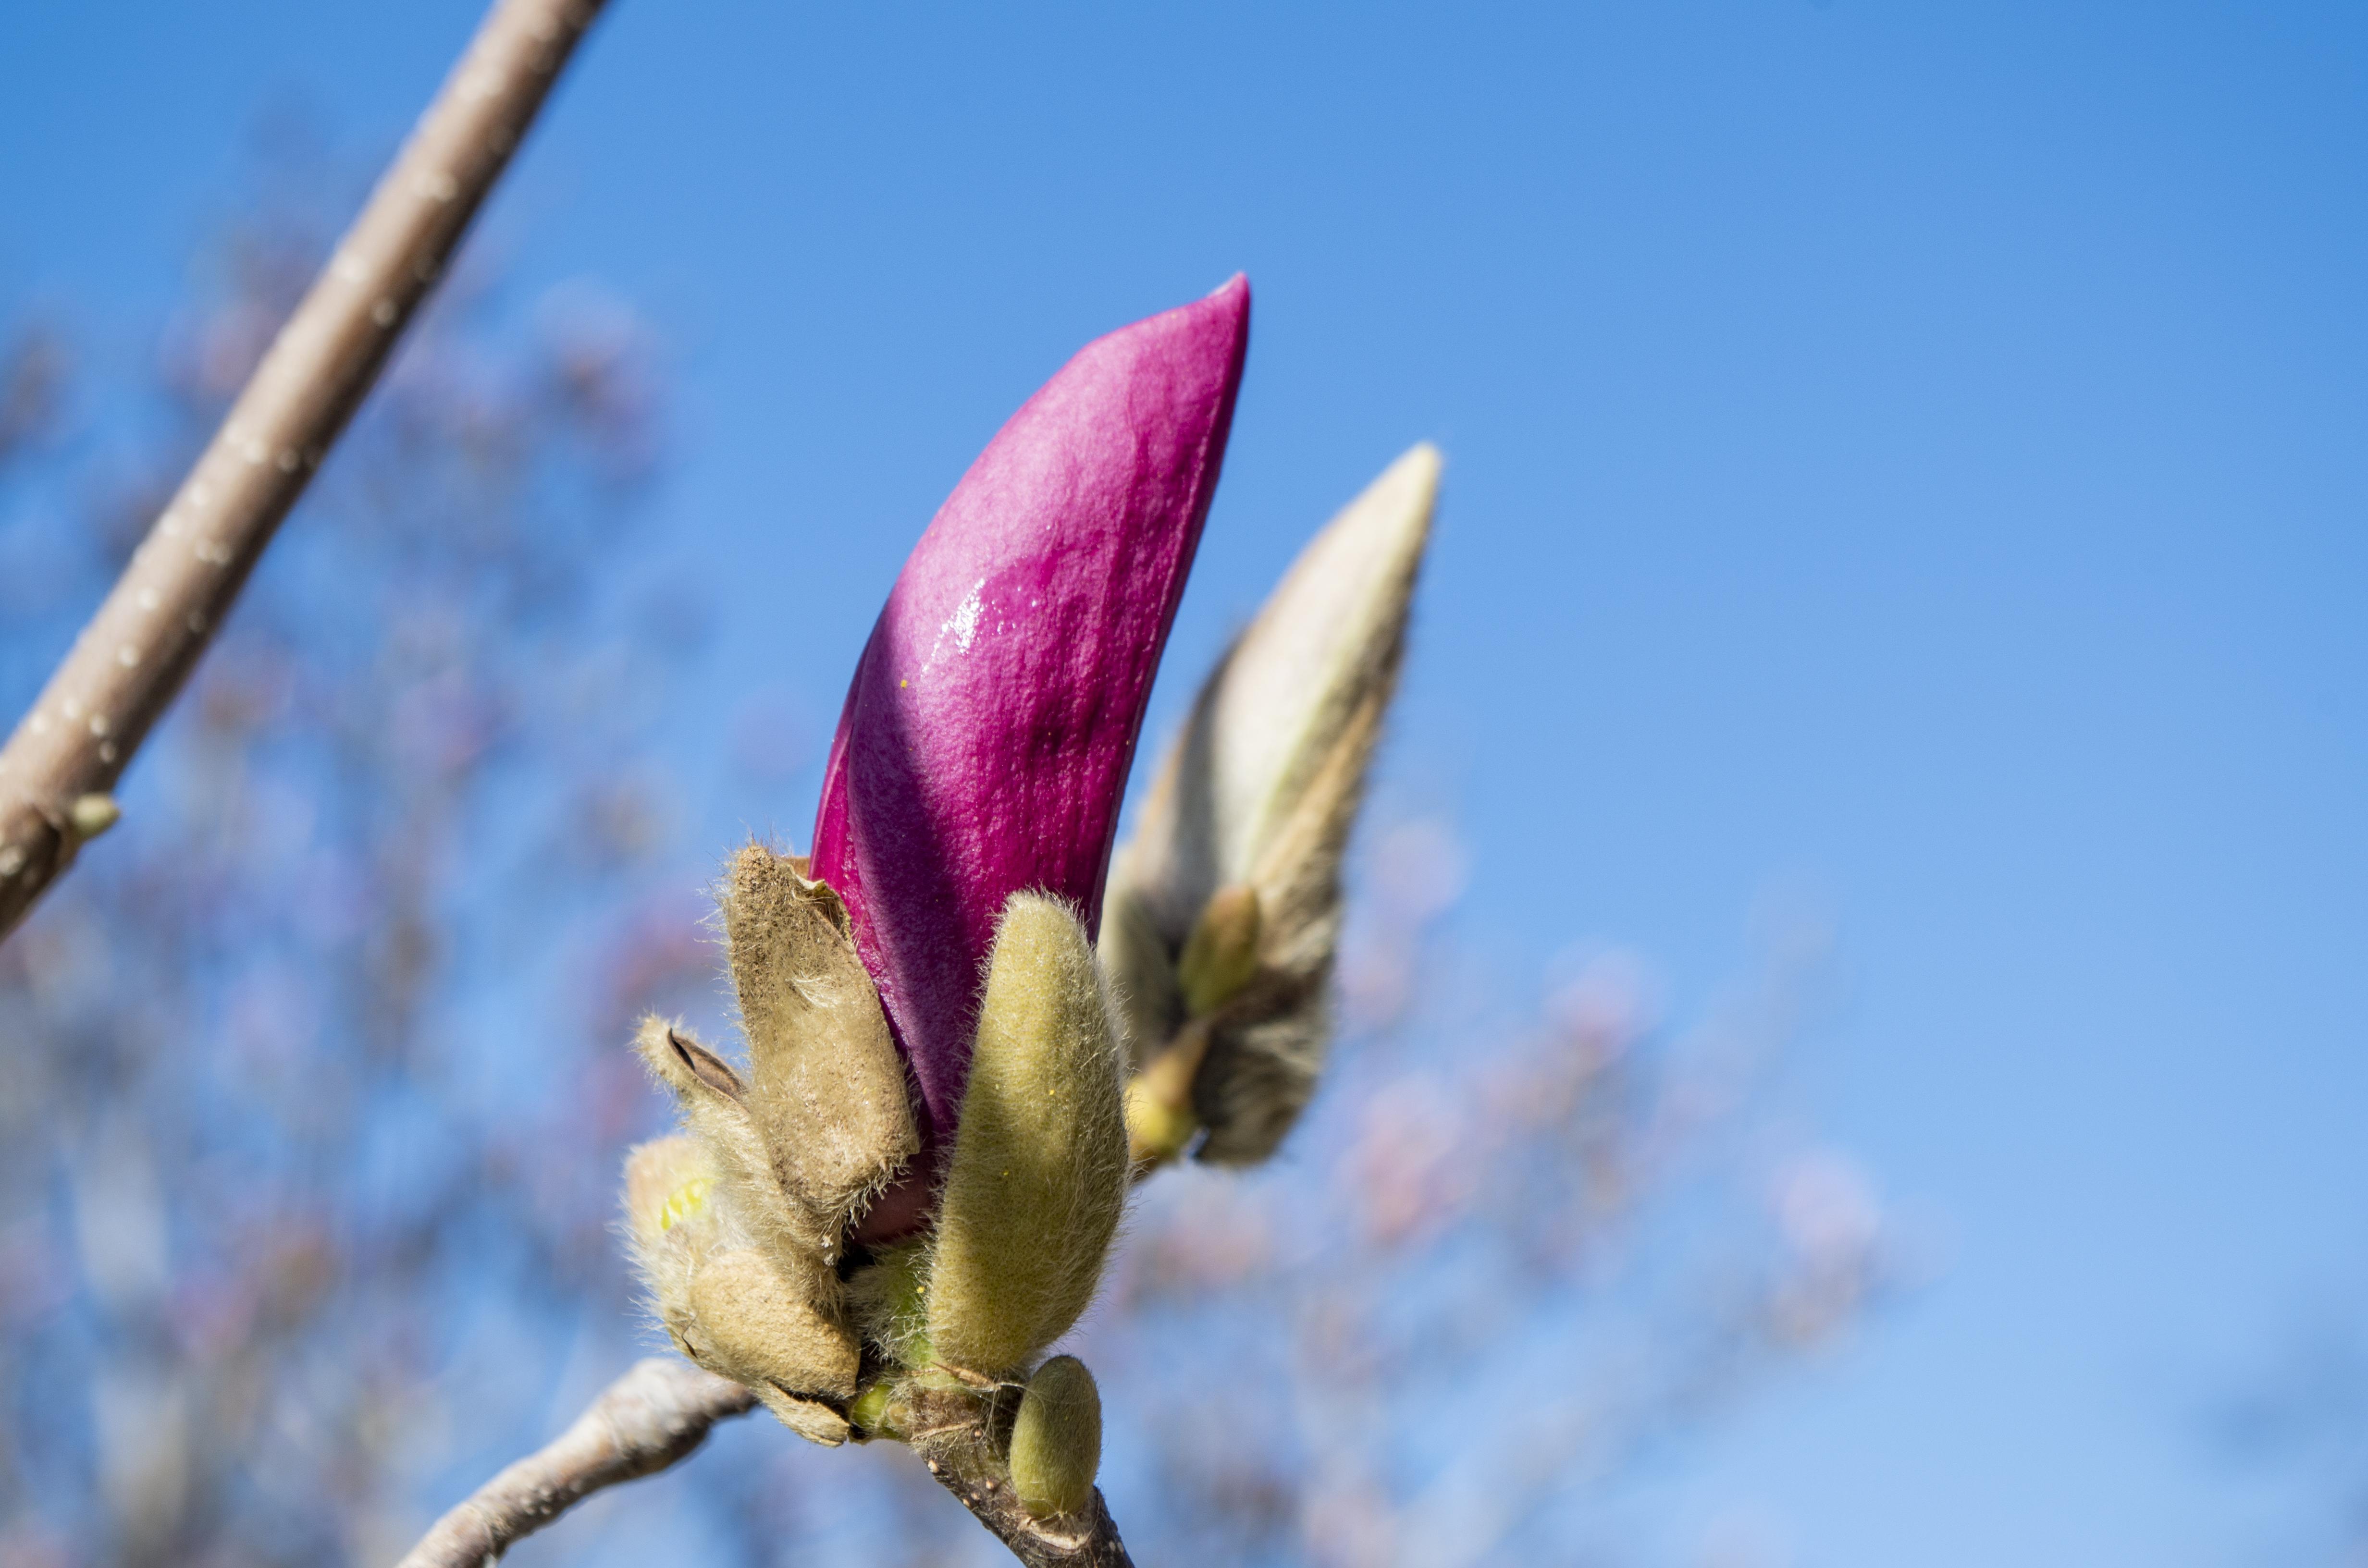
{"x": 1261, "y": 791}
{"x": 1056, "y": 1438}
{"x": 986, "y": 737}
{"x": 827, "y": 1090}
{"x": 1038, "y": 1177}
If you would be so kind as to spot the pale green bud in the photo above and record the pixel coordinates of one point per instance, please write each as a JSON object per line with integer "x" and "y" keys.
{"x": 92, "y": 814}
{"x": 1222, "y": 953}
{"x": 1038, "y": 1175}
{"x": 869, "y": 1414}
{"x": 1056, "y": 1439}
{"x": 1262, "y": 789}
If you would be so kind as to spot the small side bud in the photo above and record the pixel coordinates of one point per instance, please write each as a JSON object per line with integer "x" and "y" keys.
{"x": 717, "y": 1240}
{"x": 1222, "y": 953}
{"x": 1038, "y": 1177}
{"x": 671, "y": 1223}
{"x": 1056, "y": 1439}
{"x": 869, "y": 1414}
{"x": 92, "y": 814}
{"x": 888, "y": 1301}
{"x": 1160, "y": 1115}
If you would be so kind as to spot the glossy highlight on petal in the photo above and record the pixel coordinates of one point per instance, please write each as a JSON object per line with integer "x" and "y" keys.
{"x": 985, "y": 740}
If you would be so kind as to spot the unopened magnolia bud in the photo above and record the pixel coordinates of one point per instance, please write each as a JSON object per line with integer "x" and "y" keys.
{"x": 1056, "y": 1439}
{"x": 983, "y": 746}
{"x": 1222, "y": 953}
{"x": 825, "y": 1087}
{"x": 1038, "y": 1177}
{"x": 1262, "y": 789}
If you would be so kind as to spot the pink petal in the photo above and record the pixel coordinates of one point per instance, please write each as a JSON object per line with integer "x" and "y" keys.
{"x": 986, "y": 737}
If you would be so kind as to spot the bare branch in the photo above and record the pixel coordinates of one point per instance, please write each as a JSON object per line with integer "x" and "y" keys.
{"x": 952, "y": 1432}
{"x": 653, "y": 1416}
{"x": 133, "y": 657}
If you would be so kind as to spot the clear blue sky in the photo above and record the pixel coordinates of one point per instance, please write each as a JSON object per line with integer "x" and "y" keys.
{"x": 1916, "y": 452}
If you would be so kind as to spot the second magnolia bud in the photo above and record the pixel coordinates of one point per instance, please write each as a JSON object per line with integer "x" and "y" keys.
{"x": 1056, "y": 1439}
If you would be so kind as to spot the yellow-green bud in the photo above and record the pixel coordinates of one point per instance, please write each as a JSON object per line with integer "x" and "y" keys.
{"x": 869, "y": 1414}
{"x": 1039, "y": 1173}
{"x": 1222, "y": 953}
{"x": 1056, "y": 1440}
{"x": 92, "y": 814}
{"x": 1160, "y": 1116}
{"x": 888, "y": 1300}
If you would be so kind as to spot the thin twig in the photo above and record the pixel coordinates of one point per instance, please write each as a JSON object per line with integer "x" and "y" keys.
{"x": 58, "y": 772}
{"x": 652, "y": 1417}
{"x": 953, "y": 1434}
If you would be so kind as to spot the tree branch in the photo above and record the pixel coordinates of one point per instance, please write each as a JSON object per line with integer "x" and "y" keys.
{"x": 954, "y": 1433}
{"x": 653, "y": 1416}
{"x": 59, "y": 769}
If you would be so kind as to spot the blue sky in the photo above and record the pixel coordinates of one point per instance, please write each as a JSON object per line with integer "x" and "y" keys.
{"x": 1911, "y": 454}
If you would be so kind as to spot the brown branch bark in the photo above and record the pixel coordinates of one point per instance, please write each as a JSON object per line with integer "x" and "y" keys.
{"x": 955, "y": 1435}
{"x": 652, "y": 1417}
{"x": 59, "y": 769}
{"x": 657, "y": 1415}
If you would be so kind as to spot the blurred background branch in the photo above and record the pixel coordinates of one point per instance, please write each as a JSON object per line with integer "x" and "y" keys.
{"x": 309, "y": 1176}
{"x": 58, "y": 770}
